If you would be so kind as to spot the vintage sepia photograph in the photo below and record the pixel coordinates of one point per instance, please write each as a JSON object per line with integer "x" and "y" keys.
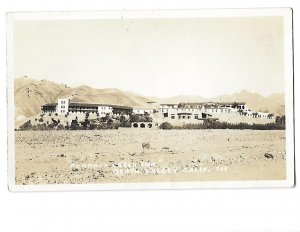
{"x": 150, "y": 99}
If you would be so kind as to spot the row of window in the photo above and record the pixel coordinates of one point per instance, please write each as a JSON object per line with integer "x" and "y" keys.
{"x": 206, "y": 110}
{"x": 184, "y": 116}
{"x": 105, "y": 107}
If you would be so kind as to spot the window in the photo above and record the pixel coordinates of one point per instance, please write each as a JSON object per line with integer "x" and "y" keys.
{"x": 188, "y": 117}
{"x": 196, "y": 116}
{"x": 172, "y": 116}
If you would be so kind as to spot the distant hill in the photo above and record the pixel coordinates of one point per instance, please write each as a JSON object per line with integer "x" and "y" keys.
{"x": 30, "y": 94}
{"x": 256, "y": 102}
{"x": 273, "y": 103}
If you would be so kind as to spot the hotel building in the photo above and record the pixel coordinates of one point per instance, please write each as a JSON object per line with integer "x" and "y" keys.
{"x": 64, "y": 106}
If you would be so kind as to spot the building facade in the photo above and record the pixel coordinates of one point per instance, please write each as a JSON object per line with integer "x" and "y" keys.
{"x": 183, "y": 112}
{"x": 204, "y": 110}
{"x": 65, "y": 106}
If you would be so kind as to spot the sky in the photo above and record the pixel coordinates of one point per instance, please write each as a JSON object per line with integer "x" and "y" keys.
{"x": 155, "y": 57}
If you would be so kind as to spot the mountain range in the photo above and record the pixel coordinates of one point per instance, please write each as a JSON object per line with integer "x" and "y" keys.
{"x": 30, "y": 94}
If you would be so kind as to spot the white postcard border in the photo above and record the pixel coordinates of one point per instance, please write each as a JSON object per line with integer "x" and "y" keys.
{"x": 289, "y": 96}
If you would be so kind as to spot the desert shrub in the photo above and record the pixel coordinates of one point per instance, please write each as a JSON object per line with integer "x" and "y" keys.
{"x": 122, "y": 118}
{"x": 125, "y": 124}
{"x": 110, "y": 122}
{"x": 147, "y": 118}
{"x": 280, "y": 120}
{"x": 49, "y": 114}
{"x": 26, "y": 126}
{"x": 114, "y": 125}
{"x": 93, "y": 126}
{"x": 67, "y": 126}
{"x": 166, "y": 126}
{"x": 74, "y": 125}
{"x": 237, "y": 126}
{"x": 140, "y": 118}
{"x": 60, "y": 127}
{"x": 54, "y": 122}
{"x": 102, "y": 126}
{"x": 85, "y": 124}
{"x": 134, "y": 118}
{"x": 105, "y": 119}
{"x": 40, "y": 127}
{"x": 41, "y": 120}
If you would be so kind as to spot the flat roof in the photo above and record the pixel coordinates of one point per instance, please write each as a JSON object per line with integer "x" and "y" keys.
{"x": 211, "y": 103}
{"x": 84, "y": 104}
{"x": 50, "y": 104}
{"x": 184, "y": 113}
{"x": 98, "y": 104}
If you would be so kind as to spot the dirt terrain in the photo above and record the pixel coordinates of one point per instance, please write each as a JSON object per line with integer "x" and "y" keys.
{"x": 141, "y": 155}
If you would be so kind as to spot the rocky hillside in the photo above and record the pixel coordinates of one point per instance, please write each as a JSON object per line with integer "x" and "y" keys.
{"x": 30, "y": 94}
{"x": 273, "y": 103}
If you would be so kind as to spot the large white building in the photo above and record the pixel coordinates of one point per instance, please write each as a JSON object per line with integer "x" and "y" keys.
{"x": 181, "y": 112}
{"x": 204, "y": 110}
{"x": 65, "y": 106}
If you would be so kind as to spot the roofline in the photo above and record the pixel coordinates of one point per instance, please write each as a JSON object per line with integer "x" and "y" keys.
{"x": 90, "y": 104}
{"x": 99, "y": 104}
{"x": 203, "y": 103}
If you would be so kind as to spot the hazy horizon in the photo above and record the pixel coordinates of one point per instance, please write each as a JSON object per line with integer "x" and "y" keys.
{"x": 161, "y": 58}
{"x": 150, "y": 96}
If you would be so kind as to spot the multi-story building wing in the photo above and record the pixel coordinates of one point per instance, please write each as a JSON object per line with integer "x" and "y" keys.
{"x": 64, "y": 106}
{"x": 201, "y": 110}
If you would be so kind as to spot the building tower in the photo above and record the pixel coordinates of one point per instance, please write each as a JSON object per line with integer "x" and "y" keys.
{"x": 63, "y": 106}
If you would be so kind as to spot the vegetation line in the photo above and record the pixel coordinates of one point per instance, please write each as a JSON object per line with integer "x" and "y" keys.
{"x": 108, "y": 122}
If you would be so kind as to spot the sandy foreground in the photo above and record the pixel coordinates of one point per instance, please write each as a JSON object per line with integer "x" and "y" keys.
{"x": 141, "y": 155}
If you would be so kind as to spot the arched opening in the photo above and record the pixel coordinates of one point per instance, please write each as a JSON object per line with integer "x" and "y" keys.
{"x": 149, "y": 125}
{"x": 135, "y": 125}
{"x": 142, "y": 125}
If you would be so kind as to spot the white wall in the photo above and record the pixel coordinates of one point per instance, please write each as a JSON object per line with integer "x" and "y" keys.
{"x": 62, "y": 106}
{"x": 103, "y": 110}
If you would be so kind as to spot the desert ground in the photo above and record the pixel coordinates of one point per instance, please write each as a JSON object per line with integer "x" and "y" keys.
{"x": 145, "y": 155}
